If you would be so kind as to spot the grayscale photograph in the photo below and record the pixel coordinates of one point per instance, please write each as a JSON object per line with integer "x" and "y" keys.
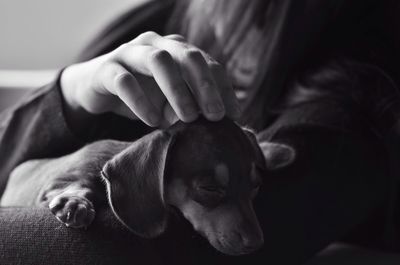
{"x": 200, "y": 132}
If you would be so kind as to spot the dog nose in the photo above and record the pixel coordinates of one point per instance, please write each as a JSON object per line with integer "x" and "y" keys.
{"x": 252, "y": 242}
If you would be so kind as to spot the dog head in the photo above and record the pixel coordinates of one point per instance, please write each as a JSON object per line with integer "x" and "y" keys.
{"x": 209, "y": 171}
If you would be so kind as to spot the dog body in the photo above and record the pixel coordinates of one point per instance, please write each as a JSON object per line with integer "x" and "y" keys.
{"x": 68, "y": 185}
{"x": 209, "y": 171}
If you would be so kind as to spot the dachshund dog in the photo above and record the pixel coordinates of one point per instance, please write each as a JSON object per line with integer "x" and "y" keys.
{"x": 209, "y": 171}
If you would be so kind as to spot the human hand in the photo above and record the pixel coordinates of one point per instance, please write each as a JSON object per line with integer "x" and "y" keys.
{"x": 152, "y": 78}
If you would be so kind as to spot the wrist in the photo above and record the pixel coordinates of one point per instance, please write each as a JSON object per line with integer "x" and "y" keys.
{"x": 73, "y": 79}
{"x": 68, "y": 83}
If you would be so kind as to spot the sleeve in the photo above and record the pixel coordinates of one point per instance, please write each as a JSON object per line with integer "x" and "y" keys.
{"x": 34, "y": 128}
{"x": 337, "y": 183}
{"x": 345, "y": 95}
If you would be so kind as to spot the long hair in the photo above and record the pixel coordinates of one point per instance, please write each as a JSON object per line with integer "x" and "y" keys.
{"x": 363, "y": 89}
{"x": 234, "y": 32}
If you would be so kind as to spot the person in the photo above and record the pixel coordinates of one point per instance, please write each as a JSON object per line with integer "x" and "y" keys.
{"x": 271, "y": 65}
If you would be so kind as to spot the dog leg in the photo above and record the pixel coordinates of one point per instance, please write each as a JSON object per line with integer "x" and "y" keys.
{"x": 72, "y": 196}
{"x": 73, "y": 204}
{"x": 69, "y": 186}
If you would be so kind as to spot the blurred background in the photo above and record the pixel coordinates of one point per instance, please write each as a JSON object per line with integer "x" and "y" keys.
{"x": 39, "y": 37}
{"x": 47, "y": 34}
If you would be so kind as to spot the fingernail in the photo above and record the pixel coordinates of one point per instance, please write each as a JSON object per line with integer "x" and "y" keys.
{"x": 215, "y": 107}
{"x": 189, "y": 110}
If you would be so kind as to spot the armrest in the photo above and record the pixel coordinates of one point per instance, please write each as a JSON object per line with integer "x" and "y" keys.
{"x": 34, "y": 236}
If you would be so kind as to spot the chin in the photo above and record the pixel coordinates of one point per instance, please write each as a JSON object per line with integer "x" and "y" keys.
{"x": 229, "y": 249}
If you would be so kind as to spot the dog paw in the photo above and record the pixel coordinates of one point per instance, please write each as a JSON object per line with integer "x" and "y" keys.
{"x": 73, "y": 211}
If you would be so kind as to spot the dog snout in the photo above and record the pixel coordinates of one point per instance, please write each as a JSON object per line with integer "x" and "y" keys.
{"x": 238, "y": 243}
{"x": 251, "y": 242}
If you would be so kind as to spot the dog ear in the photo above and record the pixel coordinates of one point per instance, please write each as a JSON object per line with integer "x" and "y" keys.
{"x": 135, "y": 186}
{"x": 277, "y": 155}
{"x": 260, "y": 160}
{"x": 273, "y": 155}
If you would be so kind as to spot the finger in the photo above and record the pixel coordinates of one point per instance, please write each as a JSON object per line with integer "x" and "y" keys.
{"x": 194, "y": 70}
{"x": 169, "y": 116}
{"x": 123, "y": 110}
{"x": 120, "y": 82}
{"x": 202, "y": 84}
{"x": 231, "y": 102}
{"x": 228, "y": 96}
{"x": 159, "y": 64}
{"x": 224, "y": 86}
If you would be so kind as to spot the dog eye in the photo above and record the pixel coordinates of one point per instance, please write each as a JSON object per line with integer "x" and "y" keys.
{"x": 209, "y": 196}
{"x": 212, "y": 189}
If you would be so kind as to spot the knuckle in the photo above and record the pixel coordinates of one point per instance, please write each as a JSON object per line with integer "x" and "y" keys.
{"x": 157, "y": 56}
{"x": 122, "y": 78}
{"x": 176, "y": 37}
{"x": 147, "y": 36}
{"x": 120, "y": 49}
{"x": 192, "y": 54}
{"x": 179, "y": 36}
{"x": 123, "y": 46}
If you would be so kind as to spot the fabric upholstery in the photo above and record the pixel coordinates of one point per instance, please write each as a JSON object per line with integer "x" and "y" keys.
{"x": 34, "y": 236}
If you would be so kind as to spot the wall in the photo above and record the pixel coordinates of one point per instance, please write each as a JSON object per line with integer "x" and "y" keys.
{"x": 48, "y": 34}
